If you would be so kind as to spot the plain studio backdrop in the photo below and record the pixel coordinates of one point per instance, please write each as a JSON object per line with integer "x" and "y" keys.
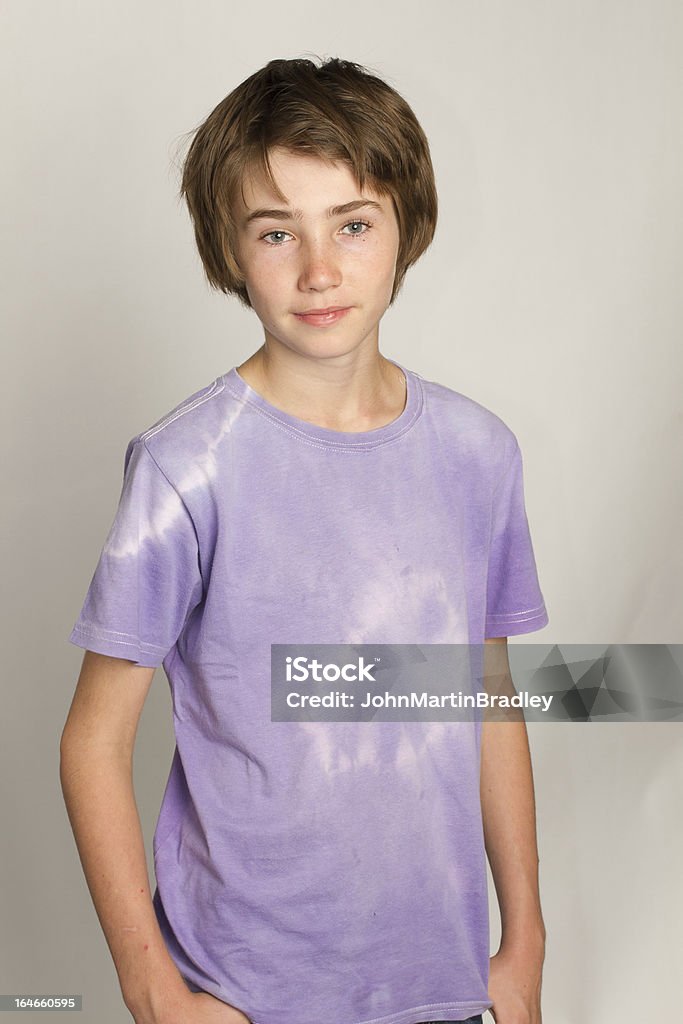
{"x": 551, "y": 294}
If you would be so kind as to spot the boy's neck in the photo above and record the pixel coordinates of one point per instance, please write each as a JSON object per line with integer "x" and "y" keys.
{"x": 361, "y": 396}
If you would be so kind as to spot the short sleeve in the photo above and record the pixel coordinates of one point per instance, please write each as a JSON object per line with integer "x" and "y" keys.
{"x": 514, "y": 600}
{"x": 147, "y": 579}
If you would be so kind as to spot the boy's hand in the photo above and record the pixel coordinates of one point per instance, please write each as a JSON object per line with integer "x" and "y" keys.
{"x": 515, "y": 987}
{"x": 194, "y": 1008}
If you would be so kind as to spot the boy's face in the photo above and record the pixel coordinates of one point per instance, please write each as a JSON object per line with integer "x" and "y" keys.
{"x": 304, "y": 255}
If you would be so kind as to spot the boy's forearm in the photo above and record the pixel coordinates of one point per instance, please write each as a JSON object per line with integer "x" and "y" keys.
{"x": 99, "y": 796}
{"x": 509, "y": 818}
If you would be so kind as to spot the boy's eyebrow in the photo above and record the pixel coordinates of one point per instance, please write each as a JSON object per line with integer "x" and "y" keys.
{"x": 334, "y": 211}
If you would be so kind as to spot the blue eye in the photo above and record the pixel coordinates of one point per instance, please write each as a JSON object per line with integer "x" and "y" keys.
{"x": 357, "y": 223}
{"x": 271, "y": 233}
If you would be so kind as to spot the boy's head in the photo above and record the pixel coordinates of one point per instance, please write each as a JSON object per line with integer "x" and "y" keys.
{"x": 337, "y": 112}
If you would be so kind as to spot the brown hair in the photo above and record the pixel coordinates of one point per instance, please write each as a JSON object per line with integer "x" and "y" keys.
{"x": 338, "y": 111}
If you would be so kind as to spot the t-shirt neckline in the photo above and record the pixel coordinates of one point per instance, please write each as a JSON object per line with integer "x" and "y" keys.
{"x": 313, "y": 433}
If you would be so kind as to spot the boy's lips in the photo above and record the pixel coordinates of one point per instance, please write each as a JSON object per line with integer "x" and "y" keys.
{"x": 322, "y": 317}
{"x": 325, "y": 309}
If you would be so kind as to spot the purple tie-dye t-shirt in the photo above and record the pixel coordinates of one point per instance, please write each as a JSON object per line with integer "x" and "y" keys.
{"x": 316, "y": 872}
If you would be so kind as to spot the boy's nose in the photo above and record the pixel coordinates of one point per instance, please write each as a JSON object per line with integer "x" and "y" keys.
{"x": 319, "y": 269}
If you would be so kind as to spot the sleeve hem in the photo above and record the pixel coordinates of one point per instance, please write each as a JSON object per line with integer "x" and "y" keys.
{"x": 102, "y": 641}
{"x": 515, "y": 623}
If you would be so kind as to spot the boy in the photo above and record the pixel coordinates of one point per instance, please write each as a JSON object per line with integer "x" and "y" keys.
{"x": 309, "y": 873}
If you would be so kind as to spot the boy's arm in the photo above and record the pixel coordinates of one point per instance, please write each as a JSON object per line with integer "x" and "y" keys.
{"x": 507, "y": 799}
{"x": 96, "y": 755}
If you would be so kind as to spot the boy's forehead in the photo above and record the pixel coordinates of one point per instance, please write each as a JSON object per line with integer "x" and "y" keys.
{"x": 304, "y": 180}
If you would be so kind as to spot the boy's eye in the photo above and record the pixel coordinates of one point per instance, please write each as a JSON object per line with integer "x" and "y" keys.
{"x": 274, "y": 236}
{"x": 357, "y": 224}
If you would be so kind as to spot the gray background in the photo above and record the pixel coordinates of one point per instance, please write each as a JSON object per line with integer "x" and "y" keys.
{"x": 552, "y": 295}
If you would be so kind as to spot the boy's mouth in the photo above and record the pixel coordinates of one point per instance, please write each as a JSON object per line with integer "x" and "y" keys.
{"x": 322, "y": 317}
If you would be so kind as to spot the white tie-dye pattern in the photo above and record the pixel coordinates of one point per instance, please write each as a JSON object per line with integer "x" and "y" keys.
{"x": 342, "y": 746}
{"x": 205, "y": 467}
{"x": 376, "y": 613}
{"x": 409, "y": 755}
{"x": 150, "y": 521}
{"x": 350, "y": 746}
{"x": 393, "y": 601}
{"x": 135, "y": 525}
{"x": 422, "y": 752}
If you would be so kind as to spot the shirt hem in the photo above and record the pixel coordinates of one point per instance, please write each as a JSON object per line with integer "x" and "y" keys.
{"x": 416, "y": 1015}
{"x": 516, "y": 623}
{"x": 443, "y": 1011}
{"x": 115, "y": 645}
